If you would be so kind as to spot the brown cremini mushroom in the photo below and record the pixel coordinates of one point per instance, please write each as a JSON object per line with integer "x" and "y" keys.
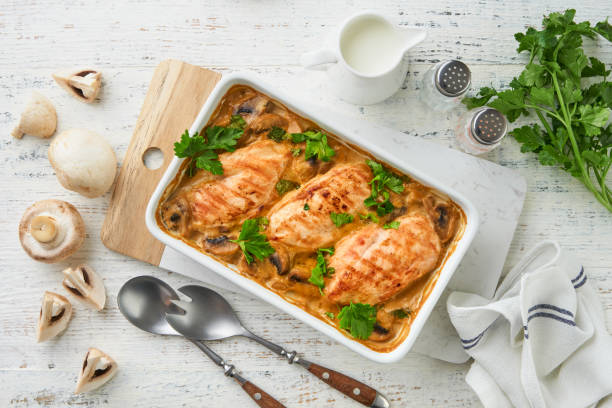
{"x": 37, "y": 119}
{"x": 82, "y": 83}
{"x": 51, "y": 230}
{"x": 97, "y": 369}
{"x": 86, "y": 285}
{"x": 55, "y": 314}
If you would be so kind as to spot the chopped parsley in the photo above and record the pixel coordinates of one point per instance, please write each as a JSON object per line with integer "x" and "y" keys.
{"x": 401, "y": 313}
{"x": 318, "y": 272}
{"x": 392, "y": 225}
{"x": 262, "y": 221}
{"x": 284, "y": 186}
{"x": 339, "y": 219}
{"x": 369, "y": 217}
{"x": 358, "y": 319}
{"x": 383, "y": 182}
{"x": 330, "y": 315}
{"x": 306, "y": 207}
{"x": 316, "y": 145}
{"x": 277, "y": 134}
{"x": 202, "y": 151}
{"x": 237, "y": 122}
{"x": 296, "y": 152}
{"x": 252, "y": 243}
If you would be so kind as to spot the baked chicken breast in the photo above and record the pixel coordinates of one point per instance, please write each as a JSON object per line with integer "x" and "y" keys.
{"x": 247, "y": 183}
{"x": 342, "y": 190}
{"x": 372, "y": 264}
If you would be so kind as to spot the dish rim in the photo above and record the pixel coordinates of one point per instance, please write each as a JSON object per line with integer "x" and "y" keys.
{"x": 445, "y": 274}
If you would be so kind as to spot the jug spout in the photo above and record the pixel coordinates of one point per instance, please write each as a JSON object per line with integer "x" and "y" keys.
{"x": 412, "y": 37}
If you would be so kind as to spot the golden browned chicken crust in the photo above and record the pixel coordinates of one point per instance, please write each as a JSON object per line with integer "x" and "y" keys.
{"x": 342, "y": 190}
{"x": 247, "y": 183}
{"x": 373, "y": 264}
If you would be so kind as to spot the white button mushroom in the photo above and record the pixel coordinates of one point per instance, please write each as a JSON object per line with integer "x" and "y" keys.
{"x": 83, "y": 161}
{"x": 55, "y": 315}
{"x": 86, "y": 285}
{"x": 37, "y": 119}
{"x": 82, "y": 83}
{"x": 97, "y": 369}
{"x": 51, "y": 230}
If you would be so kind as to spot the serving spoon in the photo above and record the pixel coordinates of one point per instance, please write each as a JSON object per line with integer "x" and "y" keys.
{"x": 210, "y": 317}
{"x": 144, "y": 301}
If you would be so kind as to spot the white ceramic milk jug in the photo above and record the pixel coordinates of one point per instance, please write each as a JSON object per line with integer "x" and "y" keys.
{"x": 366, "y": 61}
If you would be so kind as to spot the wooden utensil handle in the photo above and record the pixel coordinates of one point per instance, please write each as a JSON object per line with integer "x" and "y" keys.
{"x": 345, "y": 384}
{"x": 261, "y": 398}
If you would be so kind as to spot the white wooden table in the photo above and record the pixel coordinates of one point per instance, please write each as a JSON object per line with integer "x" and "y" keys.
{"x": 126, "y": 40}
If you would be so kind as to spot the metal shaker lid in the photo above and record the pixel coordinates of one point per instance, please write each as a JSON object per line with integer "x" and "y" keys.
{"x": 453, "y": 78}
{"x": 488, "y": 126}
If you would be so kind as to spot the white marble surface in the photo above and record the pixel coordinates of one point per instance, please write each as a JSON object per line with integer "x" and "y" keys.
{"x": 126, "y": 40}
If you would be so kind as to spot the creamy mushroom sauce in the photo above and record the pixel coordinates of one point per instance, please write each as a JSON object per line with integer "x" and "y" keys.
{"x": 390, "y": 329}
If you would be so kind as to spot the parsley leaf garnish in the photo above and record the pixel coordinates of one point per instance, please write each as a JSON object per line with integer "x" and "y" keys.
{"x": 251, "y": 242}
{"x": 316, "y": 145}
{"x": 401, "y": 313}
{"x": 392, "y": 225}
{"x": 318, "y": 272}
{"x": 330, "y": 315}
{"x": 359, "y": 319}
{"x": 306, "y": 207}
{"x": 339, "y": 219}
{"x": 283, "y": 186}
{"x": 202, "y": 151}
{"x": 237, "y": 122}
{"x": 572, "y": 132}
{"x": 369, "y": 217}
{"x": 277, "y": 134}
{"x": 296, "y": 152}
{"x": 382, "y": 181}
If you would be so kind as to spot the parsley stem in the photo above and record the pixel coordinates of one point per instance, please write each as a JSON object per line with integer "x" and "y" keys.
{"x": 586, "y": 177}
{"x": 549, "y": 112}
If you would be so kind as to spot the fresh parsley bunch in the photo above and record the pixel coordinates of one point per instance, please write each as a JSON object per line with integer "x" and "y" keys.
{"x": 573, "y": 132}
{"x": 202, "y": 151}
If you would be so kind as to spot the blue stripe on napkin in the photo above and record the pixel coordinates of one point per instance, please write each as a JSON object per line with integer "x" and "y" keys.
{"x": 551, "y": 307}
{"x": 551, "y": 316}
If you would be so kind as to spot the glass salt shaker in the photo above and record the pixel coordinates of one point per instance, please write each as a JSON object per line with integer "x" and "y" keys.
{"x": 445, "y": 84}
{"x": 481, "y": 130}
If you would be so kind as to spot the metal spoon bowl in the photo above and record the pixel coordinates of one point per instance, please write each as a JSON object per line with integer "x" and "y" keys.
{"x": 144, "y": 302}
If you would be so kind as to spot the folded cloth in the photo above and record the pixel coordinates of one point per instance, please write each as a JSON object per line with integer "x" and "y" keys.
{"x": 541, "y": 341}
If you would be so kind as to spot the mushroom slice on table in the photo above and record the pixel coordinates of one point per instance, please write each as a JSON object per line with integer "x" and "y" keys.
{"x": 38, "y": 118}
{"x": 83, "y": 161}
{"x": 98, "y": 368}
{"x": 51, "y": 230}
{"x": 86, "y": 285}
{"x": 55, "y": 314}
{"x": 82, "y": 83}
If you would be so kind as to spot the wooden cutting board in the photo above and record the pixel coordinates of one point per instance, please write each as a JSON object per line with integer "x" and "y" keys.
{"x": 175, "y": 96}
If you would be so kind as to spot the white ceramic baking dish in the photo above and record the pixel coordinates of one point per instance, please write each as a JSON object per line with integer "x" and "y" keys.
{"x": 445, "y": 274}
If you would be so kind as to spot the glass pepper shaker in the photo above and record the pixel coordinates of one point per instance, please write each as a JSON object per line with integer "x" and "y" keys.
{"x": 481, "y": 130}
{"x": 445, "y": 84}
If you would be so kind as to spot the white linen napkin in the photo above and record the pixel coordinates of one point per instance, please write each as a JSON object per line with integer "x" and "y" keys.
{"x": 541, "y": 341}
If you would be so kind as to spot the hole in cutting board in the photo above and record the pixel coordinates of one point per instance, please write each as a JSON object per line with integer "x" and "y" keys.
{"x": 153, "y": 158}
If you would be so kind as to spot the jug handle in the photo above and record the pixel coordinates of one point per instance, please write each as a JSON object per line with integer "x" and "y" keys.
{"x": 314, "y": 59}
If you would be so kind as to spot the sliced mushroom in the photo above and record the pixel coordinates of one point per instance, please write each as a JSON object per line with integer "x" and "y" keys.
{"x": 82, "y": 83}
{"x": 175, "y": 215}
{"x": 220, "y": 245}
{"x": 55, "y": 314}
{"x": 86, "y": 285}
{"x": 281, "y": 260}
{"x": 51, "y": 230}
{"x": 267, "y": 121}
{"x": 444, "y": 216}
{"x": 98, "y": 368}
{"x": 37, "y": 119}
